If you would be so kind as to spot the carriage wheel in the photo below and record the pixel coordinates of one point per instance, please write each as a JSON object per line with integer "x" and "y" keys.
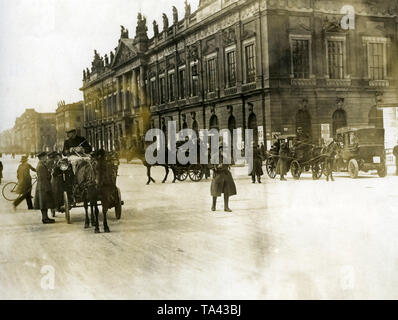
{"x": 67, "y": 208}
{"x": 118, "y": 207}
{"x": 317, "y": 170}
{"x": 10, "y": 191}
{"x": 181, "y": 175}
{"x": 295, "y": 169}
{"x": 271, "y": 167}
{"x": 196, "y": 174}
{"x": 353, "y": 168}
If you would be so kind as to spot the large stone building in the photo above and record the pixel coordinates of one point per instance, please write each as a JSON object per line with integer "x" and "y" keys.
{"x": 68, "y": 116}
{"x": 33, "y": 132}
{"x": 268, "y": 65}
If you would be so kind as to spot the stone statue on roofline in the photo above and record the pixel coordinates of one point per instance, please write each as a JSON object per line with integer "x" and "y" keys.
{"x": 175, "y": 15}
{"x": 187, "y": 9}
{"x": 165, "y": 22}
{"x": 155, "y": 28}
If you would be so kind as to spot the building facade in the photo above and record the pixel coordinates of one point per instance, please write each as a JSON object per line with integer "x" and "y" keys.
{"x": 33, "y": 132}
{"x": 265, "y": 65}
{"x": 68, "y": 116}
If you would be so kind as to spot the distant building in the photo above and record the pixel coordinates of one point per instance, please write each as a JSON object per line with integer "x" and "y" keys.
{"x": 266, "y": 65}
{"x": 6, "y": 141}
{"x": 33, "y": 132}
{"x": 68, "y": 116}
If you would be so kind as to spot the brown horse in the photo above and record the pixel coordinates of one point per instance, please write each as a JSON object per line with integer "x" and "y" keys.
{"x": 139, "y": 153}
{"x": 96, "y": 181}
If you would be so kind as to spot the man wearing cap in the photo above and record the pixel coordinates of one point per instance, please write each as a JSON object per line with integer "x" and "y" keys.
{"x": 44, "y": 196}
{"x": 75, "y": 144}
{"x": 24, "y": 187}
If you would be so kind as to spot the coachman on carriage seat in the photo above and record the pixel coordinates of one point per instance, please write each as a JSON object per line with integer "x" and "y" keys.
{"x": 75, "y": 143}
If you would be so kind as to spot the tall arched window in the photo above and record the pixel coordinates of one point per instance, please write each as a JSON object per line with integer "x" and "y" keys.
{"x": 376, "y": 117}
{"x": 339, "y": 120}
{"x": 252, "y": 124}
{"x": 303, "y": 119}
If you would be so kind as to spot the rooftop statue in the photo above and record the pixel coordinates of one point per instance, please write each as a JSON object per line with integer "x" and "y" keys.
{"x": 165, "y": 22}
{"x": 155, "y": 28}
{"x": 175, "y": 15}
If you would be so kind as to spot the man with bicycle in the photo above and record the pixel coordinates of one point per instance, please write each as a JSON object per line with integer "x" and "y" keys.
{"x": 24, "y": 187}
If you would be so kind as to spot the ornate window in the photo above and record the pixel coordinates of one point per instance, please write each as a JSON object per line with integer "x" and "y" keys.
{"x": 231, "y": 68}
{"x": 336, "y": 59}
{"x": 153, "y": 92}
{"x": 162, "y": 85}
{"x": 376, "y": 49}
{"x": 300, "y": 58}
{"x": 171, "y": 86}
{"x": 194, "y": 79}
{"x": 182, "y": 82}
{"x": 211, "y": 74}
{"x": 250, "y": 63}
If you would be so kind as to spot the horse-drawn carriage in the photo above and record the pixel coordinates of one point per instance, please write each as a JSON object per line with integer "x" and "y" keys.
{"x": 89, "y": 180}
{"x": 301, "y": 157}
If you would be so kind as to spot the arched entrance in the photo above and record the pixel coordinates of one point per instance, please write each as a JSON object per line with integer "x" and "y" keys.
{"x": 339, "y": 120}
{"x": 303, "y": 119}
{"x": 252, "y": 124}
{"x": 376, "y": 117}
{"x": 214, "y": 122}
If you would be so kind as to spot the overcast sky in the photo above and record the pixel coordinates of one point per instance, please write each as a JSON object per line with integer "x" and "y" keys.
{"x": 46, "y": 44}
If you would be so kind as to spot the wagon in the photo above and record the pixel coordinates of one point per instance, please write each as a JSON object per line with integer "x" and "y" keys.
{"x": 298, "y": 161}
{"x": 72, "y": 196}
{"x": 195, "y": 172}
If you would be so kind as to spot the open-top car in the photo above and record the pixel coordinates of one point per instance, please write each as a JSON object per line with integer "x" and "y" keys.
{"x": 362, "y": 150}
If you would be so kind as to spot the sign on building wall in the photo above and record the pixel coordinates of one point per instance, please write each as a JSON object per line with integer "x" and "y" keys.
{"x": 260, "y": 134}
{"x": 240, "y": 138}
{"x": 325, "y": 131}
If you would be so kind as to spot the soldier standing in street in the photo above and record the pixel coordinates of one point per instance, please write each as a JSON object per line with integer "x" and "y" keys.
{"x": 281, "y": 166}
{"x": 24, "y": 187}
{"x": 395, "y": 153}
{"x": 222, "y": 183}
{"x": 44, "y": 196}
{"x": 257, "y": 165}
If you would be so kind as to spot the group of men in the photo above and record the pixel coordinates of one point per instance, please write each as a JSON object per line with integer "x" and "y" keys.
{"x": 49, "y": 190}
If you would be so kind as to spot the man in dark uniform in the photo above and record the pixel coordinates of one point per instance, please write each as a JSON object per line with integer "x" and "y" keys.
{"x": 395, "y": 153}
{"x": 75, "y": 143}
{"x": 257, "y": 170}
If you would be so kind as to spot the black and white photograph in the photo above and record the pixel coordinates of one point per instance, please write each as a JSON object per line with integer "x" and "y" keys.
{"x": 198, "y": 150}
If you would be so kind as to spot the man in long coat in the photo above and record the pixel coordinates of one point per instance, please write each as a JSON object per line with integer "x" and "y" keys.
{"x": 257, "y": 165}
{"x": 281, "y": 166}
{"x": 222, "y": 183}
{"x": 44, "y": 195}
{"x": 24, "y": 188}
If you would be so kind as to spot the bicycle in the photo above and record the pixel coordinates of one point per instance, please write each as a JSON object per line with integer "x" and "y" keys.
{"x": 9, "y": 190}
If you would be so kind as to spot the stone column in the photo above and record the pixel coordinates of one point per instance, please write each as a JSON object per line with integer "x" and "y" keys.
{"x": 118, "y": 102}
{"x": 134, "y": 88}
{"x": 124, "y": 84}
{"x": 142, "y": 90}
